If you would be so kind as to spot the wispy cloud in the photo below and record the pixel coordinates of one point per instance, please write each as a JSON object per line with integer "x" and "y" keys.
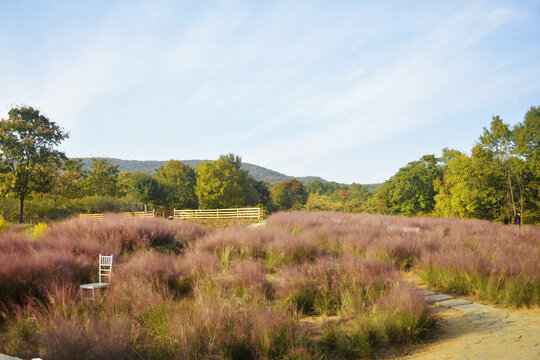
{"x": 291, "y": 87}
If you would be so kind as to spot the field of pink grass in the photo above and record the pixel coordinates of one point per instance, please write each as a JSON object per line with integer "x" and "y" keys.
{"x": 184, "y": 291}
{"x": 493, "y": 262}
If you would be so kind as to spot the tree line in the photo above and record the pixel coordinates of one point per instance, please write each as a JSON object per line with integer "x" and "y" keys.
{"x": 499, "y": 178}
{"x": 37, "y": 180}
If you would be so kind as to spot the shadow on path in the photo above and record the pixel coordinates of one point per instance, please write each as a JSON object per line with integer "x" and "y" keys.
{"x": 468, "y": 330}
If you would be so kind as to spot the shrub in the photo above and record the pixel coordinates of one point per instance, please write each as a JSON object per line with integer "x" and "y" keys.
{"x": 3, "y": 223}
{"x": 38, "y": 230}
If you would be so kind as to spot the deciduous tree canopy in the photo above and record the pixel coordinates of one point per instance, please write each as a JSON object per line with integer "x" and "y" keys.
{"x": 27, "y": 153}
{"x": 181, "y": 180}
{"x": 102, "y": 179}
{"x": 289, "y": 194}
{"x": 223, "y": 184}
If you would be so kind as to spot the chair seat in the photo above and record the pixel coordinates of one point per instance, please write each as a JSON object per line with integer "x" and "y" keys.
{"x": 94, "y": 285}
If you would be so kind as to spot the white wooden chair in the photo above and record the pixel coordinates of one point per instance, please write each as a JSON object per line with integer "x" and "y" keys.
{"x": 105, "y": 270}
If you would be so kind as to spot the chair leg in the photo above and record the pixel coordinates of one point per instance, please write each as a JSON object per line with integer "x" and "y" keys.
{"x": 93, "y": 298}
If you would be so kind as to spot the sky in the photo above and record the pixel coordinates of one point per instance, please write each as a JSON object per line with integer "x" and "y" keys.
{"x": 350, "y": 91}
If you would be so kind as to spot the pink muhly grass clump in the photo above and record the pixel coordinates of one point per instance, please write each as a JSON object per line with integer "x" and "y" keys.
{"x": 407, "y": 317}
{"x": 460, "y": 259}
{"x": 65, "y": 339}
{"x": 198, "y": 264}
{"x": 370, "y": 274}
{"x": 241, "y": 241}
{"x": 114, "y": 337}
{"x": 135, "y": 296}
{"x": 250, "y": 274}
{"x": 205, "y": 328}
{"x": 329, "y": 224}
{"x": 240, "y": 238}
{"x": 31, "y": 274}
{"x": 125, "y": 234}
{"x": 91, "y": 338}
{"x": 403, "y": 298}
{"x": 294, "y": 249}
{"x": 166, "y": 273}
{"x": 15, "y": 244}
{"x": 403, "y": 250}
{"x": 319, "y": 288}
{"x": 149, "y": 265}
{"x": 87, "y": 248}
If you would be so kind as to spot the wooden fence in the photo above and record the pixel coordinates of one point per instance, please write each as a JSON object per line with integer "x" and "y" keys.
{"x": 219, "y": 214}
{"x": 134, "y": 214}
{"x": 91, "y": 216}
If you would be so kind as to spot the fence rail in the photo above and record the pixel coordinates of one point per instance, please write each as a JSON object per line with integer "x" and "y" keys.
{"x": 91, "y": 216}
{"x": 133, "y": 213}
{"x": 219, "y": 214}
{"x": 141, "y": 213}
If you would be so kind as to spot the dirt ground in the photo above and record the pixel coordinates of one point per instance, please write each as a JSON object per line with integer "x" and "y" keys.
{"x": 476, "y": 332}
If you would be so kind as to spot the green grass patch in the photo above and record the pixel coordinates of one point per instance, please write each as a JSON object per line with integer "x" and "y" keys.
{"x": 503, "y": 290}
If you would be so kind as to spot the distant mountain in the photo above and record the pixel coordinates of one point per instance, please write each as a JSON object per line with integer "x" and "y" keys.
{"x": 149, "y": 166}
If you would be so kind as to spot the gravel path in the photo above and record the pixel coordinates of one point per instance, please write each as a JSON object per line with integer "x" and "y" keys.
{"x": 474, "y": 331}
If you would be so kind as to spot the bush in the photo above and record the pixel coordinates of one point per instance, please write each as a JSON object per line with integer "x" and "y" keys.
{"x": 3, "y": 223}
{"x": 38, "y": 230}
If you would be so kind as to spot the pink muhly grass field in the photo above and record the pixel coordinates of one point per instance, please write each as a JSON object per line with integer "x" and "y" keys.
{"x": 491, "y": 261}
{"x": 183, "y": 291}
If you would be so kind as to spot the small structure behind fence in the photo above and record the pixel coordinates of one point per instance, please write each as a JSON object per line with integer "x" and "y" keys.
{"x": 133, "y": 214}
{"x": 219, "y": 214}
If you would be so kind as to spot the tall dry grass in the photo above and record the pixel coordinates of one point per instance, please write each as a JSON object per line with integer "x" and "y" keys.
{"x": 494, "y": 262}
{"x": 182, "y": 291}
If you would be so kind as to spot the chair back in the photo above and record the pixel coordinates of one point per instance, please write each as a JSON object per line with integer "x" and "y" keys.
{"x": 105, "y": 267}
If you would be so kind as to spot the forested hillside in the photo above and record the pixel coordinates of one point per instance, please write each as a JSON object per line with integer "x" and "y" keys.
{"x": 149, "y": 166}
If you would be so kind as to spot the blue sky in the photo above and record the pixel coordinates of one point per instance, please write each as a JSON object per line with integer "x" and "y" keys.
{"x": 347, "y": 90}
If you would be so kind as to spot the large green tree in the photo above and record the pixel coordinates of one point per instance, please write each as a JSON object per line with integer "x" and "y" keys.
{"x": 466, "y": 189}
{"x": 410, "y": 191}
{"x": 324, "y": 188}
{"x": 102, "y": 179}
{"x": 70, "y": 178}
{"x": 146, "y": 189}
{"x": 262, "y": 190}
{"x": 289, "y": 194}
{"x": 498, "y": 144}
{"x": 499, "y": 178}
{"x": 223, "y": 184}
{"x": 180, "y": 180}
{"x": 380, "y": 202}
{"x": 27, "y": 153}
{"x": 527, "y": 147}
{"x": 527, "y": 135}
{"x": 67, "y": 182}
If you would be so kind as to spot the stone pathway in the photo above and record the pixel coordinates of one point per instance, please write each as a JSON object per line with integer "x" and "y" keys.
{"x": 474, "y": 331}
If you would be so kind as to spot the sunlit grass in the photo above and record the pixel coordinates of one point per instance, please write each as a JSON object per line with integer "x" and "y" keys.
{"x": 185, "y": 291}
